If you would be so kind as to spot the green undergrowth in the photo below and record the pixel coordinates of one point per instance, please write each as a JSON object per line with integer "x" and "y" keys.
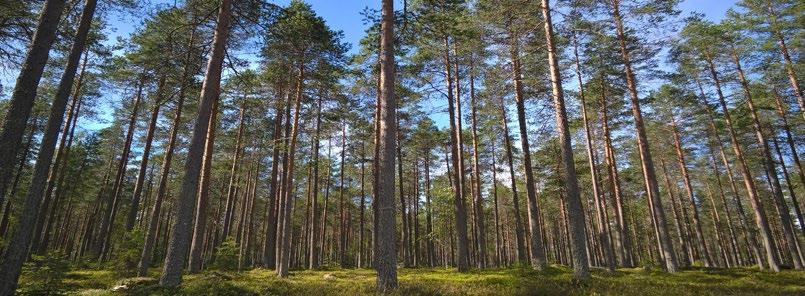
{"x": 555, "y": 280}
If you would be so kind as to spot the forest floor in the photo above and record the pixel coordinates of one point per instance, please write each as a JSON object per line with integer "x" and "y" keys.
{"x": 513, "y": 281}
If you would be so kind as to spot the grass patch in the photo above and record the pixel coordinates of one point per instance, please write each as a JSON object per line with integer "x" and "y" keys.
{"x": 556, "y": 280}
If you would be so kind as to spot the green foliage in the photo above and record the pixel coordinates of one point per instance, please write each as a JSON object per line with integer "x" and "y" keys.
{"x": 44, "y": 274}
{"x": 226, "y": 256}
{"x": 215, "y": 284}
{"x": 128, "y": 253}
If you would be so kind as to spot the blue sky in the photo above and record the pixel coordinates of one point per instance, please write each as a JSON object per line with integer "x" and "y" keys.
{"x": 344, "y": 15}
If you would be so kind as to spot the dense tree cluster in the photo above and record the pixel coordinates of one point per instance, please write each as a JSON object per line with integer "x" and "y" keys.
{"x": 238, "y": 134}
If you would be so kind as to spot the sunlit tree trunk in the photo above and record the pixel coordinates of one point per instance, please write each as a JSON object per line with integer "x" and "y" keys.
{"x": 24, "y": 93}
{"x": 108, "y": 222}
{"x": 792, "y": 147}
{"x": 149, "y": 241}
{"x": 179, "y": 244}
{"x": 462, "y": 260}
{"x": 385, "y": 258}
{"x": 768, "y": 165}
{"x": 518, "y": 224}
{"x": 537, "y": 253}
{"x": 200, "y": 221}
{"x": 287, "y": 198}
{"x": 760, "y": 216}
{"x": 577, "y": 239}
{"x": 647, "y": 163}
{"x": 614, "y": 180}
{"x": 149, "y": 138}
{"x": 595, "y": 181}
{"x": 478, "y": 200}
{"x": 683, "y": 168}
{"x": 17, "y": 248}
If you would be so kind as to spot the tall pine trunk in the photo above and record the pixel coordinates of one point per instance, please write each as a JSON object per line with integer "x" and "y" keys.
{"x": 577, "y": 239}
{"x": 385, "y": 253}
{"x": 179, "y": 244}
{"x": 647, "y": 164}
{"x": 24, "y": 93}
{"x": 149, "y": 241}
{"x": 17, "y": 249}
{"x": 149, "y": 137}
{"x": 537, "y": 252}
{"x": 108, "y": 222}
{"x": 760, "y": 216}
{"x": 769, "y": 167}
{"x": 683, "y": 168}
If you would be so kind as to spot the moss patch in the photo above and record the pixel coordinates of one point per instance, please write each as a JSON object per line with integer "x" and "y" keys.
{"x": 555, "y": 280}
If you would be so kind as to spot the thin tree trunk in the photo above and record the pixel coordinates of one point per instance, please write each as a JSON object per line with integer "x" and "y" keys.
{"x": 771, "y": 171}
{"x": 683, "y": 168}
{"x": 614, "y": 179}
{"x": 649, "y": 174}
{"x": 270, "y": 242}
{"x": 406, "y": 251}
{"x": 200, "y": 221}
{"x": 62, "y": 156}
{"x": 537, "y": 253}
{"x": 792, "y": 147}
{"x": 518, "y": 224}
{"x": 108, "y": 222}
{"x": 760, "y": 216}
{"x": 315, "y": 246}
{"x": 288, "y": 200}
{"x": 597, "y": 193}
{"x": 455, "y": 148}
{"x": 149, "y": 137}
{"x": 233, "y": 177}
{"x": 478, "y": 200}
{"x": 361, "y": 255}
{"x": 151, "y": 232}
{"x": 181, "y": 235}
{"x": 342, "y": 243}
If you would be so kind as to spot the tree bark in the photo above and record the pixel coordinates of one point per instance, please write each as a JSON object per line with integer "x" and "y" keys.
{"x": 17, "y": 249}
{"x": 287, "y": 222}
{"x": 270, "y": 242}
{"x": 24, "y": 94}
{"x": 792, "y": 147}
{"x": 315, "y": 246}
{"x": 200, "y": 222}
{"x": 108, "y": 222}
{"x": 518, "y": 224}
{"x": 478, "y": 200}
{"x": 458, "y": 199}
{"x": 683, "y": 168}
{"x": 537, "y": 253}
{"x": 385, "y": 259}
{"x": 760, "y": 216}
{"x": 149, "y": 137}
{"x": 151, "y": 232}
{"x": 233, "y": 177}
{"x": 595, "y": 180}
{"x": 179, "y": 245}
{"x": 577, "y": 239}
{"x": 614, "y": 180}
{"x": 769, "y": 167}
{"x": 649, "y": 174}
{"x": 342, "y": 232}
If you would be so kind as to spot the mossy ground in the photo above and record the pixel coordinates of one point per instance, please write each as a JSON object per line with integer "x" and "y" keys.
{"x": 436, "y": 281}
